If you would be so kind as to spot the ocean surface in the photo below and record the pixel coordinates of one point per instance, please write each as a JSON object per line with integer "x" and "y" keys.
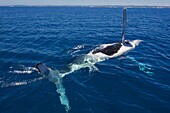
{"x": 138, "y": 82}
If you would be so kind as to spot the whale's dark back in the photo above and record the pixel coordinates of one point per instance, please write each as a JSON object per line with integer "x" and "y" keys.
{"x": 109, "y": 50}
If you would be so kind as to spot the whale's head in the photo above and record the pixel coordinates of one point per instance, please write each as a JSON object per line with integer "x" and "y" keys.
{"x": 135, "y": 42}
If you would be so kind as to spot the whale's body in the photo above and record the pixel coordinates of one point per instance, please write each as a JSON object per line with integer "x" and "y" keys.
{"x": 113, "y": 50}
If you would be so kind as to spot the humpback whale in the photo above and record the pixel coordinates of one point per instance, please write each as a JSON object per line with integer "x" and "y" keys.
{"x": 118, "y": 48}
{"x": 99, "y": 54}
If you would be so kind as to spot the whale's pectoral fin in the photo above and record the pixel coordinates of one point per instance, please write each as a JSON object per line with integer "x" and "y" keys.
{"x": 124, "y": 24}
{"x": 42, "y": 68}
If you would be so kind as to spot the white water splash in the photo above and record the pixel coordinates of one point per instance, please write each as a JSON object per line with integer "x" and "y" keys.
{"x": 26, "y": 70}
{"x": 21, "y": 72}
{"x": 86, "y": 62}
{"x": 76, "y": 49}
{"x": 24, "y": 82}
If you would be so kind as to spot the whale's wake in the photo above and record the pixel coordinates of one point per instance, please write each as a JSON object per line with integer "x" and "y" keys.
{"x": 22, "y": 76}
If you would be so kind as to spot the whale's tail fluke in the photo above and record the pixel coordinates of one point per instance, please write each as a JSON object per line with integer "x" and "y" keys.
{"x": 124, "y": 24}
{"x": 54, "y": 76}
{"x": 42, "y": 68}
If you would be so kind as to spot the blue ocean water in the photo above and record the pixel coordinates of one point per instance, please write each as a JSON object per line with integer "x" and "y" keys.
{"x": 57, "y": 36}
